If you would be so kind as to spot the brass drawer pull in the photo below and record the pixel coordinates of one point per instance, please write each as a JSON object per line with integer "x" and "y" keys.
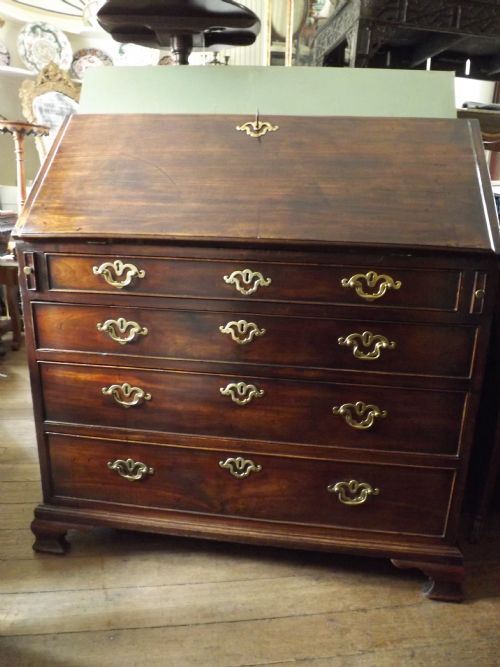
{"x": 367, "y": 340}
{"x": 359, "y": 415}
{"x": 241, "y": 392}
{"x": 130, "y": 469}
{"x": 247, "y": 281}
{"x": 374, "y": 281}
{"x": 241, "y": 331}
{"x": 353, "y": 492}
{"x": 121, "y": 331}
{"x": 257, "y": 128}
{"x": 117, "y": 274}
{"x": 126, "y": 395}
{"x": 240, "y": 467}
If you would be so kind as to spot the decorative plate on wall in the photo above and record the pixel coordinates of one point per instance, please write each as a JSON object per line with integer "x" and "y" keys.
{"x": 166, "y": 60}
{"x": 323, "y": 8}
{"x": 279, "y": 18}
{"x": 40, "y": 43}
{"x": 133, "y": 54}
{"x": 4, "y": 54}
{"x": 85, "y": 58}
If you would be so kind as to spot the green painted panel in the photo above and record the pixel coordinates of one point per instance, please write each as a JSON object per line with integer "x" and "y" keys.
{"x": 307, "y": 91}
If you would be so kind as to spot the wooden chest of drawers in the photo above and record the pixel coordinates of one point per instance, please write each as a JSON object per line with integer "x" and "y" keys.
{"x": 289, "y": 361}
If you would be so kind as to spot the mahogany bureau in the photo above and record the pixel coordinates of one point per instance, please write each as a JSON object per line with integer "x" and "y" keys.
{"x": 268, "y": 331}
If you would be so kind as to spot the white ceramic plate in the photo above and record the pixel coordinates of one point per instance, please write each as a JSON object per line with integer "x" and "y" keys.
{"x": 133, "y": 54}
{"x": 4, "y": 55}
{"x": 40, "y": 43}
{"x": 323, "y": 8}
{"x": 279, "y": 17}
{"x": 85, "y": 58}
{"x": 166, "y": 60}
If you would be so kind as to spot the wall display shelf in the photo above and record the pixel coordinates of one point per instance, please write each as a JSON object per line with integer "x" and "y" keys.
{"x": 7, "y": 70}
{"x": 4, "y": 55}
{"x": 319, "y": 383}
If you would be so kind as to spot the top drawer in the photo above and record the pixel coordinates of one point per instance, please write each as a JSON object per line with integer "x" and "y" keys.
{"x": 265, "y": 281}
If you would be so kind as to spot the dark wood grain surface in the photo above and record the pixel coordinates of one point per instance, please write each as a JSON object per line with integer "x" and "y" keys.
{"x": 315, "y": 180}
{"x": 296, "y": 412}
{"x": 410, "y": 500}
{"x": 188, "y": 201}
{"x": 300, "y": 282}
{"x": 419, "y": 349}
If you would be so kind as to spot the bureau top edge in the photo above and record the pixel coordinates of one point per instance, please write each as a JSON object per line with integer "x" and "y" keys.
{"x": 124, "y": 243}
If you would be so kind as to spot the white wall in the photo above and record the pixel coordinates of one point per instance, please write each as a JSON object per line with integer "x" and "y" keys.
{"x": 472, "y": 90}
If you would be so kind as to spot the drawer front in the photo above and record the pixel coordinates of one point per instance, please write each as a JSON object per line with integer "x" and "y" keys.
{"x": 256, "y": 280}
{"x": 421, "y": 349}
{"x": 322, "y": 414}
{"x": 257, "y": 486}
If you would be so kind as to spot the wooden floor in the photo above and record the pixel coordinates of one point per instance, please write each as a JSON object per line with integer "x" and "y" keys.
{"x": 130, "y": 599}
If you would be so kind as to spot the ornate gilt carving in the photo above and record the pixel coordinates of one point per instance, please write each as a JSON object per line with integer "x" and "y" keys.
{"x": 121, "y": 330}
{"x": 240, "y": 467}
{"x": 359, "y": 415}
{"x": 241, "y": 393}
{"x": 126, "y": 395}
{"x": 50, "y": 79}
{"x": 117, "y": 274}
{"x": 353, "y": 492}
{"x": 362, "y": 342}
{"x": 241, "y": 331}
{"x": 130, "y": 469}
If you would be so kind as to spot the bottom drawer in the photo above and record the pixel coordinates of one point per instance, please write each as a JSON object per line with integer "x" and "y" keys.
{"x": 374, "y": 497}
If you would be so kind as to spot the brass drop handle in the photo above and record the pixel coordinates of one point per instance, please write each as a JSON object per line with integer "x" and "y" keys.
{"x": 353, "y": 492}
{"x": 118, "y": 274}
{"x": 359, "y": 415}
{"x": 122, "y": 331}
{"x": 241, "y": 393}
{"x": 377, "y": 284}
{"x": 241, "y": 331}
{"x": 126, "y": 395}
{"x": 367, "y": 345}
{"x": 130, "y": 469}
{"x": 246, "y": 281}
{"x": 240, "y": 467}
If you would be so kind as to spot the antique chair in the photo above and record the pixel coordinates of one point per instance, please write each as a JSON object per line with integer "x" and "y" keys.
{"x": 10, "y": 319}
{"x": 10, "y": 316}
{"x": 47, "y": 100}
